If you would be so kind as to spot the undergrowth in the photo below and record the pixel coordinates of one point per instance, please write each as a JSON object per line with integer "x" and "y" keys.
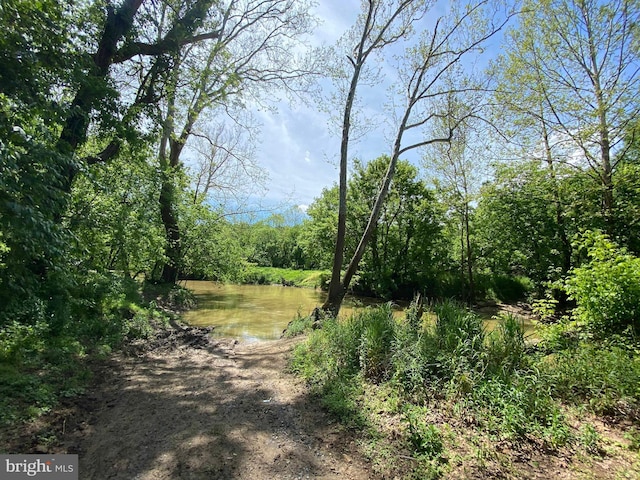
{"x": 447, "y": 362}
{"x": 41, "y": 363}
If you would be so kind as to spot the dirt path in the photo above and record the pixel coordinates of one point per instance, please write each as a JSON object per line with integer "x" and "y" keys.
{"x": 209, "y": 410}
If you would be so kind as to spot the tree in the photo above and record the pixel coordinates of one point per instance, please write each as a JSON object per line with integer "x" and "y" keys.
{"x": 456, "y": 167}
{"x": 114, "y": 216}
{"x": 515, "y": 221}
{"x": 75, "y": 90}
{"x": 251, "y": 51}
{"x": 425, "y": 66}
{"x": 380, "y": 24}
{"x": 583, "y": 59}
{"x": 404, "y": 251}
{"x": 224, "y": 170}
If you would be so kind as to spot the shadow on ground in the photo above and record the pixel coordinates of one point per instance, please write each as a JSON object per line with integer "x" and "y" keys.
{"x": 224, "y": 411}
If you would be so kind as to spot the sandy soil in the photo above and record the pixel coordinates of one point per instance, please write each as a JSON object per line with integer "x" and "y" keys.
{"x": 195, "y": 408}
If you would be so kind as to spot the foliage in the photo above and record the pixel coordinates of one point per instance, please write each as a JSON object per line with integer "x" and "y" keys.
{"x": 284, "y": 276}
{"x": 606, "y": 288}
{"x": 487, "y": 376}
{"x": 606, "y": 379}
{"x": 299, "y": 325}
{"x": 273, "y": 243}
{"x": 114, "y": 217}
{"x": 516, "y": 223}
{"x": 425, "y": 439}
{"x": 210, "y": 249}
{"x": 39, "y": 365}
{"x": 406, "y": 247}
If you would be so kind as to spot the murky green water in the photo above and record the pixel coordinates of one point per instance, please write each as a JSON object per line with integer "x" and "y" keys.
{"x": 262, "y": 312}
{"x": 255, "y": 312}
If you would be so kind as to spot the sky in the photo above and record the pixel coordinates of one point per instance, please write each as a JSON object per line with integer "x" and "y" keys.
{"x": 297, "y": 148}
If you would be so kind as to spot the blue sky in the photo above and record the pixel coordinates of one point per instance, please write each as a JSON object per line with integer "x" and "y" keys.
{"x": 297, "y": 147}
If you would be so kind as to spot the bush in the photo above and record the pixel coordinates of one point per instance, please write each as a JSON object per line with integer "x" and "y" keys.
{"x": 606, "y": 378}
{"x": 507, "y": 346}
{"x": 607, "y": 288}
{"x": 488, "y": 377}
{"x": 378, "y": 332}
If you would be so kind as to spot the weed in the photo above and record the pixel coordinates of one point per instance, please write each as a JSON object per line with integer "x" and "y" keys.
{"x": 606, "y": 378}
{"x": 298, "y": 326}
{"x": 424, "y": 438}
{"x": 633, "y": 436}
{"x": 590, "y": 438}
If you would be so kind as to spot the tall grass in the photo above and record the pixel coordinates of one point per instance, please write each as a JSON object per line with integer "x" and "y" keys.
{"x": 451, "y": 359}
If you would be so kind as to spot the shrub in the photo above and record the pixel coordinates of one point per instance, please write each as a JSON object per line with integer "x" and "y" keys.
{"x": 299, "y": 325}
{"x": 378, "y": 332}
{"x": 607, "y": 378}
{"x": 607, "y": 288}
{"x": 520, "y": 405}
{"x": 424, "y": 438}
{"x": 506, "y": 349}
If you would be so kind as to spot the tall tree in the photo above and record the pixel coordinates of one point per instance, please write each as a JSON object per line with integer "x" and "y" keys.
{"x": 380, "y": 24}
{"x": 583, "y": 59}
{"x": 426, "y": 64}
{"x": 251, "y": 52}
{"x": 457, "y": 168}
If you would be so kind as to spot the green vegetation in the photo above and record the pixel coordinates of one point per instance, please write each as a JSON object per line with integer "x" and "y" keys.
{"x": 39, "y": 365}
{"x": 445, "y": 373}
{"x": 98, "y": 204}
{"x": 285, "y": 276}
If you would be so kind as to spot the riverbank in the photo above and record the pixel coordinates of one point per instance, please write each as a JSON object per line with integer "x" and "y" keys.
{"x": 188, "y": 406}
{"x": 450, "y": 399}
{"x": 286, "y": 277}
{"x": 185, "y": 405}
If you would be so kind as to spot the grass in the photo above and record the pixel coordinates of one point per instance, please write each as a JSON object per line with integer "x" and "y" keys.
{"x": 286, "y": 276}
{"x": 487, "y": 389}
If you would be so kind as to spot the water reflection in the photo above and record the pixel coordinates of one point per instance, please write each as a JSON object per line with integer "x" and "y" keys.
{"x": 262, "y": 312}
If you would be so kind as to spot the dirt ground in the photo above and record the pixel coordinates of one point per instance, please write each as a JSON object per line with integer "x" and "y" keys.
{"x": 198, "y": 408}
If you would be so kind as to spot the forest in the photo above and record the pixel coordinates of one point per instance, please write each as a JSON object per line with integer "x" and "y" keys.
{"x": 511, "y": 175}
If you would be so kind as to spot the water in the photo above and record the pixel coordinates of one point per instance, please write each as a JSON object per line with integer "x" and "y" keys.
{"x": 262, "y": 312}
{"x": 255, "y": 312}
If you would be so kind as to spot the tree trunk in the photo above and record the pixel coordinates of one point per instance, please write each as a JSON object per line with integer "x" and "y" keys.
{"x": 74, "y": 131}
{"x": 169, "y": 165}
{"x": 336, "y": 292}
{"x": 560, "y": 220}
{"x": 172, "y": 231}
{"x": 471, "y": 295}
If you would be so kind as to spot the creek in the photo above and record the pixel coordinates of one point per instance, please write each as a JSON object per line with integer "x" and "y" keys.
{"x": 257, "y": 312}
{"x": 262, "y": 312}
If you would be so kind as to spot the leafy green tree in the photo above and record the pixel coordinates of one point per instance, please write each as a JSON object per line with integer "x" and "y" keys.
{"x": 405, "y": 251}
{"x": 319, "y": 231}
{"x": 250, "y": 54}
{"x": 579, "y": 60}
{"x": 211, "y": 249}
{"x": 516, "y": 224}
{"x": 422, "y": 79}
{"x": 114, "y": 216}
{"x": 516, "y": 219}
{"x": 380, "y": 23}
{"x": 274, "y": 243}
